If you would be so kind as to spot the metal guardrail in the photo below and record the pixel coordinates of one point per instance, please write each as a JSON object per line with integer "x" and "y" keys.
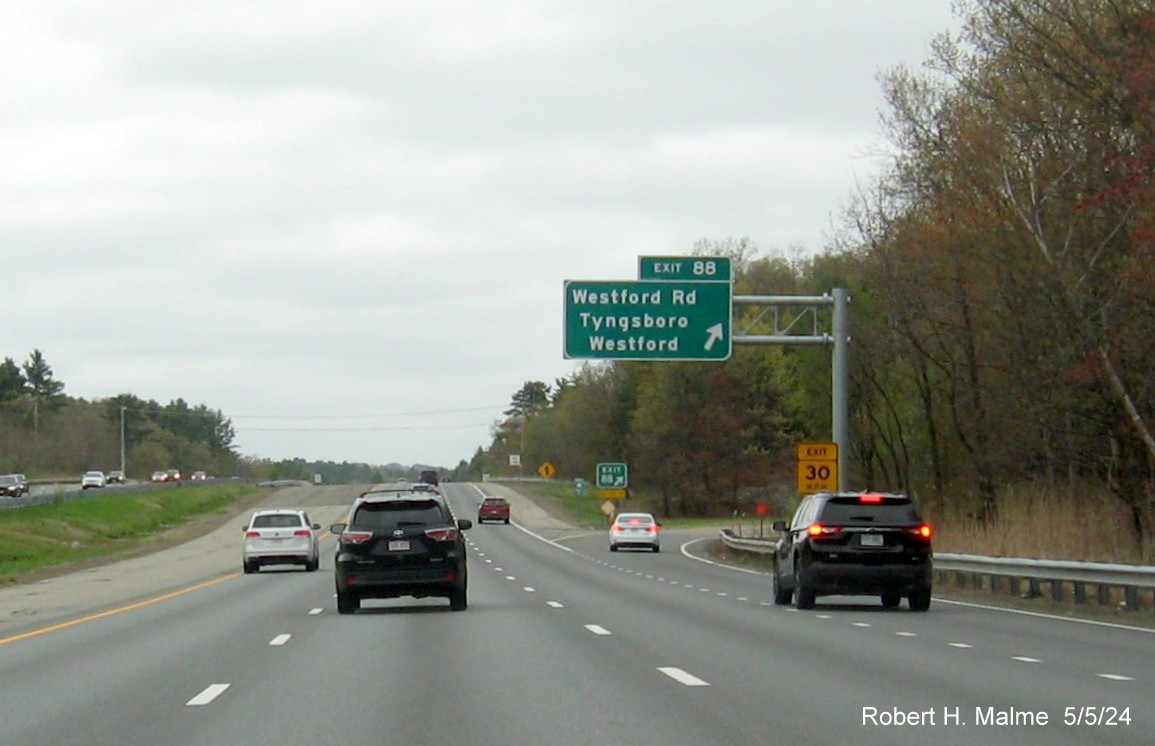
{"x": 1113, "y": 583}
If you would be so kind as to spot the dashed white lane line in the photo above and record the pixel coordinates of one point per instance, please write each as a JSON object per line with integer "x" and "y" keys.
{"x": 208, "y": 695}
{"x": 1114, "y": 677}
{"x": 860, "y": 624}
{"x": 1025, "y": 659}
{"x": 280, "y": 640}
{"x": 316, "y": 611}
{"x": 906, "y": 634}
{"x": 555, "y": 604}
{"x": 960, "y": 645}
{"x": 529, "y": 589}
{"x": 510, "y": 577}
{"x": 682, "y": 677}
{"x": 597, "y": 629}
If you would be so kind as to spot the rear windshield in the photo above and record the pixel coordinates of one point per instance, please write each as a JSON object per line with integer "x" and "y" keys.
{"x": 398, "y": 513}
{"x": 494, "y": 501}
{"x": 640, "y": 520}
{"x": 850, "y": 510}
{"x": 277, "y": 521}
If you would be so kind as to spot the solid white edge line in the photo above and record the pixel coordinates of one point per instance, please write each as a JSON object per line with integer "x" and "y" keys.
{"x": 208, "y": 695}
{"x": 1040, "y": 615}
{"x": 686, "y": 553}
{"x": 682, "y": 677}
{"x": 525, "y": 530}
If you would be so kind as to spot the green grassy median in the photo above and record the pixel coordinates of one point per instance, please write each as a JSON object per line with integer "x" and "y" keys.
{"x": 44, "y": 540}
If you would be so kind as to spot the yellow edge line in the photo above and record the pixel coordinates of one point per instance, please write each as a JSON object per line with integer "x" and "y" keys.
{"x": 117, "y": 610}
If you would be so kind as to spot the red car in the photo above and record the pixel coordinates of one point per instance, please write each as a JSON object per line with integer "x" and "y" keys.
{"x": 493, "y": 509}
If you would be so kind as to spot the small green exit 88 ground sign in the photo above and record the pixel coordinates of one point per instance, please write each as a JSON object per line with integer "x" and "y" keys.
{"x": 611, "y": 475}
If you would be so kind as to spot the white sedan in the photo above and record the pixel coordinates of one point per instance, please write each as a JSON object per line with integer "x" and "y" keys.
{"x": 639, "y": 530}
{"x": 93, "y": 479}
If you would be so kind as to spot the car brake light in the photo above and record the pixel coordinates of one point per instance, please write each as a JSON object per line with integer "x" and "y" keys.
{"x": 356, "y": 537}
{"x": 925, "y": 531}
{"x": 252, "y": 534}
{"x": 817, "y": 529}
{"x": 302, "y": 532}
{"x": 441, "y": 534}
{"x": 870, "y": 497}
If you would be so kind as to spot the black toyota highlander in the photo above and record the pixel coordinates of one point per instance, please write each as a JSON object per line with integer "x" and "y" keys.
{"x": 854, "y": 543}
{"x": 400, "y": 543}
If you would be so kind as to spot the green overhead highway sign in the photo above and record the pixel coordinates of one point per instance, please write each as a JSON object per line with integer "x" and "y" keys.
{"x": 651, "y": 320}
{"x": 684, "y": 268}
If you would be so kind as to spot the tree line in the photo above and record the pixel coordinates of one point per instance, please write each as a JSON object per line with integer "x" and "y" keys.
{"x": 1002, "y": 276}
{"x": 45, "y": 432}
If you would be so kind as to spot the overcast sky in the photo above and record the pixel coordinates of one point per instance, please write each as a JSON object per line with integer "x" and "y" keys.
{"x": 347, "y": 224}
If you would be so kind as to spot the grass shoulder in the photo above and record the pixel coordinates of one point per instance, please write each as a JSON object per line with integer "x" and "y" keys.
{"x": 41, "y": 541}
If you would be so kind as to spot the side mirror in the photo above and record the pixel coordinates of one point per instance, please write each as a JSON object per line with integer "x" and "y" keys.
{"x": 337, "y": 528}
{"x": 464, "y": 524}
{"x": 780, "y": 526}
{"x": 316, "y": 526}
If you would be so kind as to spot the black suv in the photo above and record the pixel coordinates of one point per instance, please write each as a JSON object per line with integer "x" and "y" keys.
{"x": 400, "y": 543}
{"x": 850, "y": 543}
{"x": 429, "y": 476}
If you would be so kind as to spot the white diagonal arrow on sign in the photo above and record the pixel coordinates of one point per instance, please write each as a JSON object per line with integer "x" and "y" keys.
{"x": 714, "y": 334}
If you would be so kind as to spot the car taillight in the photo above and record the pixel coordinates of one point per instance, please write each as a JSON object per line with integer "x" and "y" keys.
{"x": 924, "y": 531}
{"x": 356, "y": 537}
{"x": 252, "y": 534}
{"x": 817, "y": 529}
{"x": 441, "y": 534}
{"x": 302, "y": 532}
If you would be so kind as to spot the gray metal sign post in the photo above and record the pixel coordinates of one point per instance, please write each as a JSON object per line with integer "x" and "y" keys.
{"x": 786, "y": 332}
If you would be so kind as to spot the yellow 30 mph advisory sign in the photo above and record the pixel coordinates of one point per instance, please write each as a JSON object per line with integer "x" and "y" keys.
{"x": 817, "y": 467}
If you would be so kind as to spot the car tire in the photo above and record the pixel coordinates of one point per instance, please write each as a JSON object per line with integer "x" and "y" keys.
{"x": 657, "y": 549}
{"x": 613, "y": 547}
{"x": 312, "y": 565}
{"x": 249, "y": 567}
{"x": 347, "y": 603}
{"x": 782, "y": 596}
{"x": 507, "y": 521}
{"x": 803, "y": 594}
{"x": 891, "y": 600}
{"x": 458, "y": 599}
{"x": 919, "y": 600}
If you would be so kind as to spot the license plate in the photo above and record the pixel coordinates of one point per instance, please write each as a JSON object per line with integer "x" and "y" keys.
{"x": 399, "y": 545}
{"x": 870, "y": 540}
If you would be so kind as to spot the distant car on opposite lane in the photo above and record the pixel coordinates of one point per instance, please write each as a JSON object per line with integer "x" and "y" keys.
{"x": 93, "y": 479}
{"x": 116, "y": 476}
{"x": 636, "y": 530}
{"x": 159, "y": 476}
{"x": 280, "y": 536}
{"x": 199, "y": 476}
{"x": 11, "y": 486}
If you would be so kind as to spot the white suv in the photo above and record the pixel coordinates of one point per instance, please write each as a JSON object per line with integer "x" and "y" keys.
{"x": 280, "y": 536}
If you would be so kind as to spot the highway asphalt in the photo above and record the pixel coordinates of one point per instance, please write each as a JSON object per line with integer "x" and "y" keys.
{"x": 563, "y": 643}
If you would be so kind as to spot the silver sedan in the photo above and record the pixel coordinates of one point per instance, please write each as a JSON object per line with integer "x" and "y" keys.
{"x": 639, "y": 530}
